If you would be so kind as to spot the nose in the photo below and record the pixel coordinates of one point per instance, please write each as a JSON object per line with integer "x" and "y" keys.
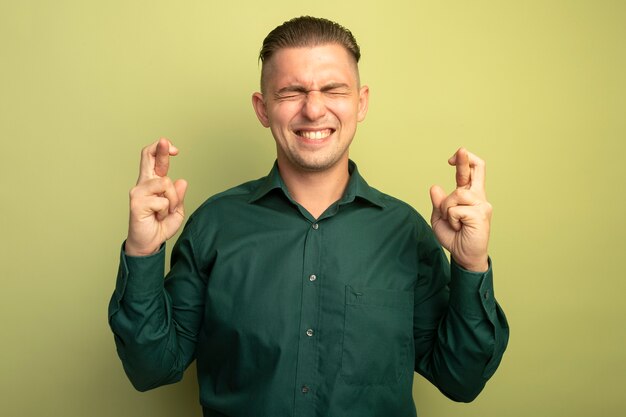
{"x": 314, "y": 106}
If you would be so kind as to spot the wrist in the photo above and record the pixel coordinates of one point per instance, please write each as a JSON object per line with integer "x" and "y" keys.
{"x": 132, "y": 250}
{"x": 475, "y": 265}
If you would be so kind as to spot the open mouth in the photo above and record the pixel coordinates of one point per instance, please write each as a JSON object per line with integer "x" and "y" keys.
{"x": 315, "y": 134}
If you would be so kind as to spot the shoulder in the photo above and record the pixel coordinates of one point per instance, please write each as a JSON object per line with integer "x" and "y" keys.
{"x": 396, "y": 206}
{"x": 400, "y": 214}
{"x": 242, "y": 192}
{"x": 225, "y": 204}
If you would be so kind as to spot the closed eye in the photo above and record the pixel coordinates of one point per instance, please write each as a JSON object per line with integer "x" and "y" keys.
{"x": 337, "y": 93}
{"x": 298, "y": 92}
{"x": 291, "y": 96}
{"x": 290, "y": 93}
{"x": 336, "y": 90}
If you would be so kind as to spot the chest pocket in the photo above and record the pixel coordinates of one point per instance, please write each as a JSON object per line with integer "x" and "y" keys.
{"x": 377, "y": 336}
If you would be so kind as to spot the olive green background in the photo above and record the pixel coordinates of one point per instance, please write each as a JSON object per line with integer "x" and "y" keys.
{"x": 536, "y": 88}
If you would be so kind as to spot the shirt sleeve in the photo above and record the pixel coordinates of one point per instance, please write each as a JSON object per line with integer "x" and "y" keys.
{"x": 155, "y": 322}
{"x": 460, "y": 331}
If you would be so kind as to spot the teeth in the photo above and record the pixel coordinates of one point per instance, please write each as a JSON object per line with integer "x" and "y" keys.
{"x": 315, "y": 135}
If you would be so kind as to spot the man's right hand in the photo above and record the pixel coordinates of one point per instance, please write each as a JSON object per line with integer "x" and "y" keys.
{"x": 156, "y": 203}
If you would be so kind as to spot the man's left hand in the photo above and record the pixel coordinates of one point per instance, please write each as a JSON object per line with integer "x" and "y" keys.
{"x": 461, "y": 220}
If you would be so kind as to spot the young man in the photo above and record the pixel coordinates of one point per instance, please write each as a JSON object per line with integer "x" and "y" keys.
{"x": 307, "y": 292}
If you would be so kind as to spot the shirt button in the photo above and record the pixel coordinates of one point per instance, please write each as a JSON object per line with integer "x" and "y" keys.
{"x": 316, "y": 226}
{"x": 305, "y": 389}
{"x": 309, "y": 332}
{"x": 312, "y": 278}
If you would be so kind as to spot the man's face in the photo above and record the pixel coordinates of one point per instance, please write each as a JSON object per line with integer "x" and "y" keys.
{"x": 312, "y": 103}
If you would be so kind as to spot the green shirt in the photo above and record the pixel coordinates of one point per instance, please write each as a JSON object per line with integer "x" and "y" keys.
{"x": 288, "y": 315}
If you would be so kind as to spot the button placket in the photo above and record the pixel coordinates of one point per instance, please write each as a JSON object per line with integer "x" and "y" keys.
{"x": 308, "y": 354}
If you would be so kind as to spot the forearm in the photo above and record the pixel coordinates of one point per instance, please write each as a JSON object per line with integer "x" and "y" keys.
{"x": 461, "y": 349}
{"x": 140, "y": 316}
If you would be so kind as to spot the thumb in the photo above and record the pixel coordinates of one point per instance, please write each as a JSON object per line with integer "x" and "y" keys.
{"x": 437, "y": 195}
{"x": 181, "y": 188}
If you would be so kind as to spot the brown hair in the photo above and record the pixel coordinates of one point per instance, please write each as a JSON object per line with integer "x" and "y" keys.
{"x": 308, "y": 31}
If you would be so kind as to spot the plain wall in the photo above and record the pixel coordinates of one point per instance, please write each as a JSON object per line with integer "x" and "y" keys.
{"x": 536, "y": 88}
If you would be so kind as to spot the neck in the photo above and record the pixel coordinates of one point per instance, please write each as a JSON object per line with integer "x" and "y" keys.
{"x": 316, "y": 191}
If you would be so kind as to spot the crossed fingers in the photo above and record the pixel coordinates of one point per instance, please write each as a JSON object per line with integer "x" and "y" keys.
{"x": 153, "y": 184}
{"x": 155, "y": 159}
{"x": 458, "y": 206}
{"x": 470, "y": 170}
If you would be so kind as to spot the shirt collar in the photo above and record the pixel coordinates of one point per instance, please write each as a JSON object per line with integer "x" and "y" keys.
{"x": 269, "y": 183}
{"x": 357, "y": 187}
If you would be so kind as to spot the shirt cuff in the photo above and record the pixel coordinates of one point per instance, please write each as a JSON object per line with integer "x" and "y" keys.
{"x": 471, "y": 293}
{"x": 140, "y": 276}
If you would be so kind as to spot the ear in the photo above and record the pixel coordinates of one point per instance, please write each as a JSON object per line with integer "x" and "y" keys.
{"x": 259, "y": 108}
{"x": 364, "y": 96}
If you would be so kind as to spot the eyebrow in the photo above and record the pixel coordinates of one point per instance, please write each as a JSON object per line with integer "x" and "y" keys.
{"x": 301, "y": 89}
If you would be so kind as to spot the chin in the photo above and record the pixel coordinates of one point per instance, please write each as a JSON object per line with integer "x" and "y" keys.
{"x": 316, "y": 165}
